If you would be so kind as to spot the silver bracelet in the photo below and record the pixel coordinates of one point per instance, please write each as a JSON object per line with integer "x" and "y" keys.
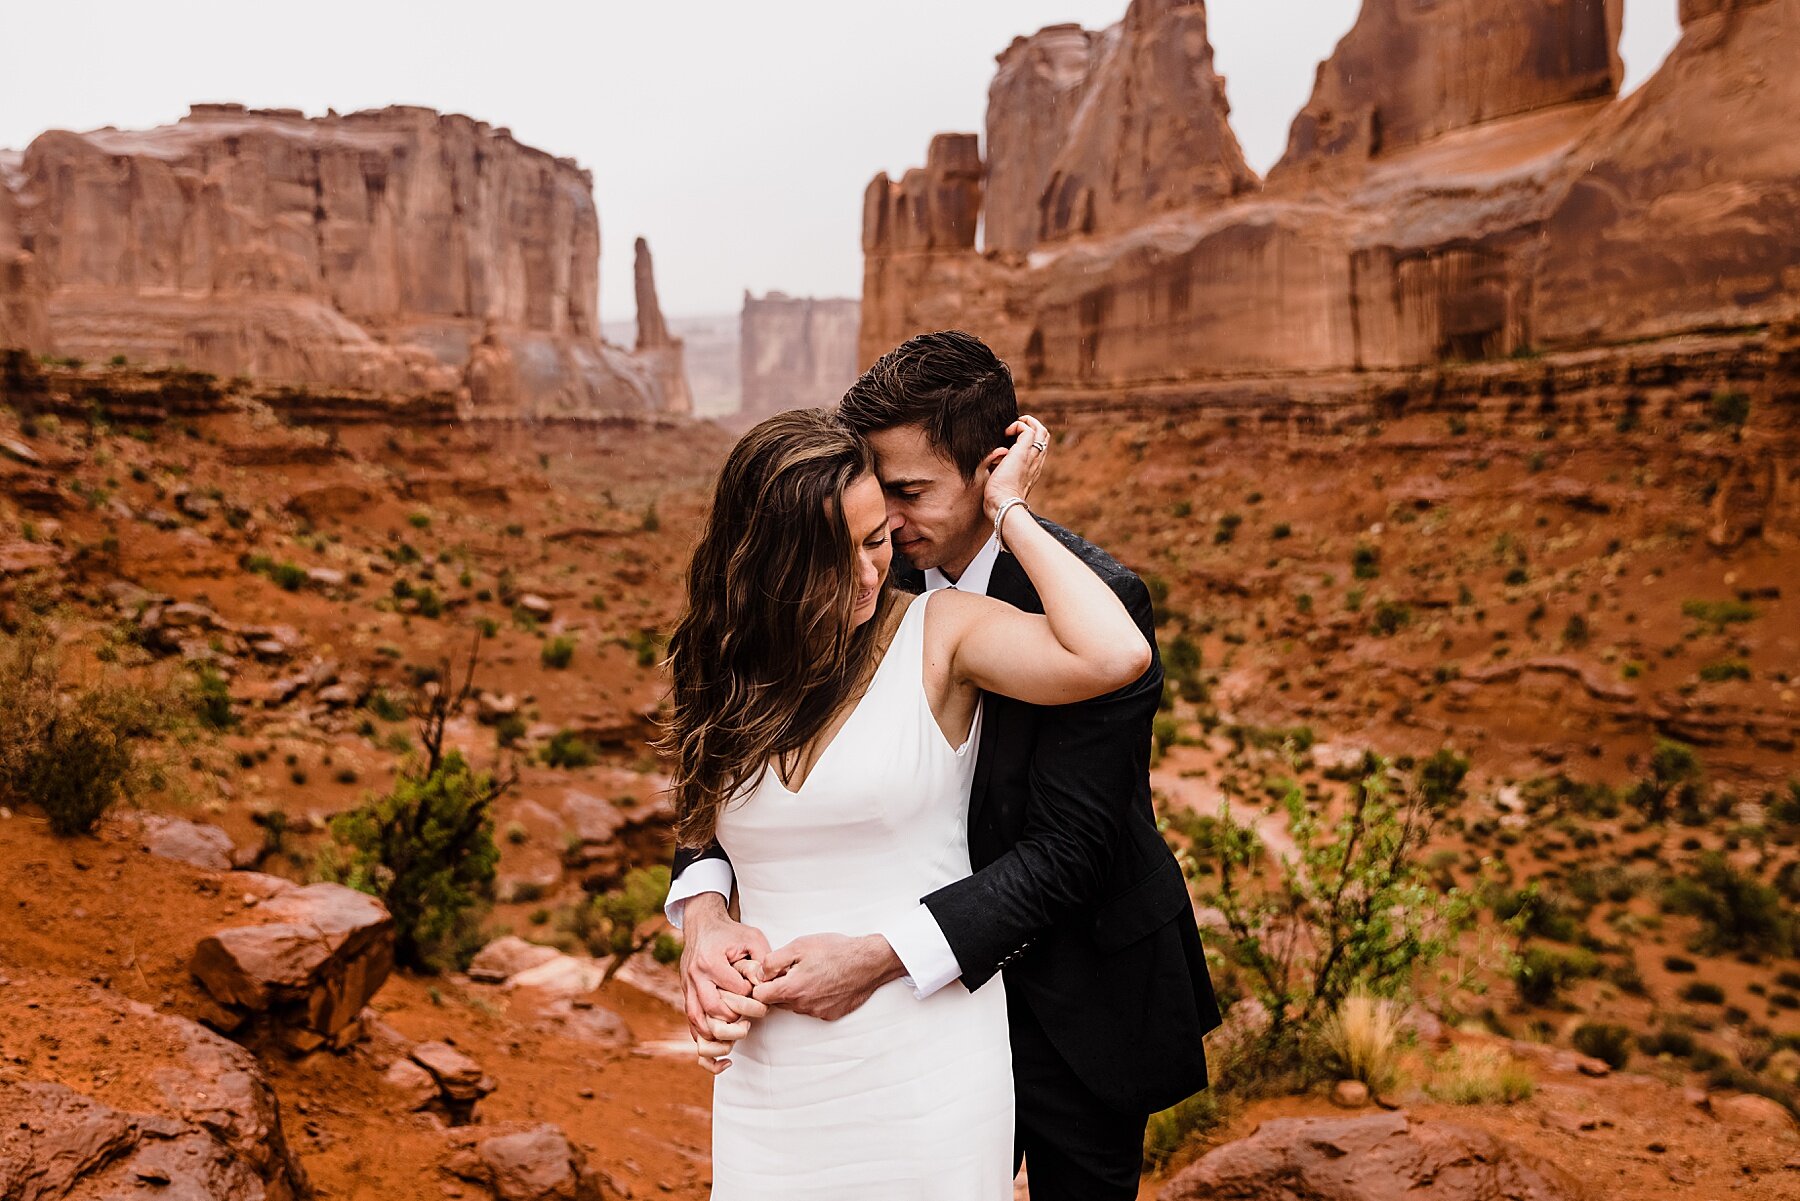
{"x": 1000, "y": 516}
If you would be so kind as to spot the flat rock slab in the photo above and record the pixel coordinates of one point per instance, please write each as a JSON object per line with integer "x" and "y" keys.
{"x": 1380, "y": 1157}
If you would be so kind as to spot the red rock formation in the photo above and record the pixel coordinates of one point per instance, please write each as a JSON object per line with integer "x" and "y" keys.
{"x": 22, "y": 321}
{"x": 1152, "y": 135}
{"x": 1409, "y": 72}
{"x": 660, "y": 350}
{"x": 372, "y": 250}
{"x": 1459, "y": 234}
{"x": 1685, "y": 211}
{"x": 934, "y": 207}
{"x": 908, "y": 227}
{"x": 1031, "y": 104}
{"x": 796, "y": 352}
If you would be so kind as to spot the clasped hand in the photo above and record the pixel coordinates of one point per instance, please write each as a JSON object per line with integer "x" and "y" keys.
{"x": 730, "y": 978}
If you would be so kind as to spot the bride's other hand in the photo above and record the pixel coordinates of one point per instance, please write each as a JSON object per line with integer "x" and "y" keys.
{"x": 714, "y": 1053}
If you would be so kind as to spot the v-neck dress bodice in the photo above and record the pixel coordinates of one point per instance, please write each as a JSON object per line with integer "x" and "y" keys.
{"x": 904, "y": 1099}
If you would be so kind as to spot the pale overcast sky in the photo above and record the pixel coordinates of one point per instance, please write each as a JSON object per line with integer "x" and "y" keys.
{"x": 737, "y": 137}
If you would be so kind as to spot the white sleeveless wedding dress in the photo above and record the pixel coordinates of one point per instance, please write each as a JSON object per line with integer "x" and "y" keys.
{"x": 903, "y": 1100}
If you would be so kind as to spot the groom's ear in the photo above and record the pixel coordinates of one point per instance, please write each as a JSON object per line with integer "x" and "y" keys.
{"x": 988, "y": 464}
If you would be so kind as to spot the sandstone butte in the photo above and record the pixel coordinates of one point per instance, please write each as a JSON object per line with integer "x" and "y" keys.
{"x": 1465, "y": 184}
{"x": 794, "y": 352}
{"x": 393, "y": 250}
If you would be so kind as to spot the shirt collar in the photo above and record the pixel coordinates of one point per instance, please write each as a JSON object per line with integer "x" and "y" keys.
{"x": 975, "y": 576}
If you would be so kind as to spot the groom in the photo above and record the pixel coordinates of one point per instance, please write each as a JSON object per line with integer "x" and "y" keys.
{"x": 1074, "y": 893}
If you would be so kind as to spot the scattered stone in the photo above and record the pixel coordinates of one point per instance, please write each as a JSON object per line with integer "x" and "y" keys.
{"x": 507, "y": 957}
{"x": 15, "y": 449}
{"x": 417, "y": 1087}
{"x": 536, "y": 606}
{"x": 327, "y": 577}
{"x": 491, "y": 707}
{"x": 521, "y": 1163}
{"x": 1350, "y": 1094}
{"x": 196, "y": 505}
{"x": 17, "y": 558}
{"x": 186, "y": 841}
{"x": 585, "y": 1022}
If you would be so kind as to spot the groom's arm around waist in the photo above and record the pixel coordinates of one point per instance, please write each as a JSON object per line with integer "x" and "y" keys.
{"x": 693, "y": 873}
{"x": 1086, "y": 768}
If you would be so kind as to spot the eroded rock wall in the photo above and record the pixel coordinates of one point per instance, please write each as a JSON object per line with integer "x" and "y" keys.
{"x": 22, "y": 318}
{"x": 1032, "y": 103}
{"x": 376, "y": 249}
{"x": 1152, "y": 133}
{"x": 1684, "y": 210}
{"x": 1409, "y": 72}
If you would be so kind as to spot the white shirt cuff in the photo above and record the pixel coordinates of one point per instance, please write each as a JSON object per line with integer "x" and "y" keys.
{"x": 923, "y": 950}
{"x": 702, "y": 875}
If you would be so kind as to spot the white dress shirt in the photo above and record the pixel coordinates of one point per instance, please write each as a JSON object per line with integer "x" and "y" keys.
{"x": 915, "y": 935}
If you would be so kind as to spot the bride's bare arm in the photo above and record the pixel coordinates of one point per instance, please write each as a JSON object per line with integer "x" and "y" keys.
{"x": 1085, "y": 643}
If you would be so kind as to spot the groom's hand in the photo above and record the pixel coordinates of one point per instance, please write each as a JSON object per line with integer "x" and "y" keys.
{"x": 826, "y": 976}
{"x": 713, "y": 944}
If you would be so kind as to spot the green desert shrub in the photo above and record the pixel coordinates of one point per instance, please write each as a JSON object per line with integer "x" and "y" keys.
{"x": 1605, "y": 1041}
{"x": 1737, "y": 911}
{"x": 426, "y": 849}
{"x": 557, "y": 652}
{"x": 567, "y": 748}
{"x": 73, "y": 753}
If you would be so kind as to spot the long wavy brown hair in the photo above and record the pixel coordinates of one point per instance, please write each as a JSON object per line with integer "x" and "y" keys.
{"x": 765, "y": 654}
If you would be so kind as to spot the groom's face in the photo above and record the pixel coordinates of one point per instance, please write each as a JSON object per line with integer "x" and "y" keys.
{"x": 936, "y": 513}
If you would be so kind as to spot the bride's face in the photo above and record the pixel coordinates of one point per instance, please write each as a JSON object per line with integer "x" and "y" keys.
{"x": 865, "y": 512}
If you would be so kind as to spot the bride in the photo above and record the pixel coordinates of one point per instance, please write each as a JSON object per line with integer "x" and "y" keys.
{"x": 822, "y": 729}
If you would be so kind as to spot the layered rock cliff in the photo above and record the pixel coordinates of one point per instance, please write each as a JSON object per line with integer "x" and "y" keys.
{"x": 795, "y": 352}
{"x": 391, "y": 249}
{"x": 1463, "y": 186}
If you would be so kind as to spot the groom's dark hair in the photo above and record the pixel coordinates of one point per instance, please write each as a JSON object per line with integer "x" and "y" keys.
{"x": 949, "y": 384}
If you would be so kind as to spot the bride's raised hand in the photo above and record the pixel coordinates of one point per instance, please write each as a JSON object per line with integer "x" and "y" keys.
{"x": 1012, "y": 470}
{"x": 714, "y": 1054}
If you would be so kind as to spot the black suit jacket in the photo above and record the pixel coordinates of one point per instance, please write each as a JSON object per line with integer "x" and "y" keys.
{"x": 1074, "y": 892}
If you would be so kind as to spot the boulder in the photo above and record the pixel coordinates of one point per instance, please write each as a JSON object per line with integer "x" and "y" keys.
{"x": 308, "y": 965}
{"x": 1378, "y": 1157}
{"x": 1749, "y": 1109}
{"x": 521, "y": 1163}
{"x": 536, "y": 605}
{"x": 200, "y": 1122}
